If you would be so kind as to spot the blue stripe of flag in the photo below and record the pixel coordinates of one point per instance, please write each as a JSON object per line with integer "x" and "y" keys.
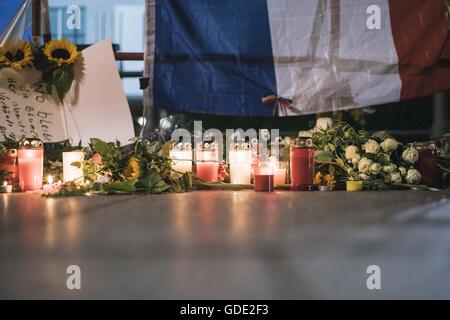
{"x": 213, "y": 57}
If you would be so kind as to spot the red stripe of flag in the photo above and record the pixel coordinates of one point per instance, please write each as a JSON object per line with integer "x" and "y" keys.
{"x": 421, "y": 36}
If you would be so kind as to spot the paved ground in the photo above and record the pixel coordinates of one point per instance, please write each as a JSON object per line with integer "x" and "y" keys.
{"x": 227, "y": 245}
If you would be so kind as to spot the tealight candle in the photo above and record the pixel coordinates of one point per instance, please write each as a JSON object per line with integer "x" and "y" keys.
{"x": 6, "y": 188}
{"x": 49, "y": 188}
{"x": 71, "y": 172}
{"x": 207, "y": 164}
{"x": 182, "y": 158}
{"x": 240, "y": 166}
{"x": 31, "y": 164}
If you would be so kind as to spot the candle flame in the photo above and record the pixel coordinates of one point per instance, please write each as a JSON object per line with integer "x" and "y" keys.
{"x": 49, "y": 180}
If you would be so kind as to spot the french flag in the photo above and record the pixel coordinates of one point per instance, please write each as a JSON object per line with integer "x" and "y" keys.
{"x": 226, "y": 57}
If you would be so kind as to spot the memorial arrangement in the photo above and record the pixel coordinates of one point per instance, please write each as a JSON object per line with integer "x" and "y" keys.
{"x": 331, "y": 156}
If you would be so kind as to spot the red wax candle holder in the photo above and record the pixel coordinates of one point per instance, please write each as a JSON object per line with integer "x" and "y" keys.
{"x": 263, "y": 175}
{"x": 30, "y": 164}
{"x": 302, "y": 165}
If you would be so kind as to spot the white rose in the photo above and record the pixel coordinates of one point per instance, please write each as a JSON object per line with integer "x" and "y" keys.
{"x": 356, "y": 158}
{"x": 410, "y": 155}
{"x": 350, "y": 152}
{"x": 389, "y": 145}
{"x": 364, "y": 165}
{"x": 324, "y": 123}
{"x": 389, "y": 168}
{"x": 375, "y": 168}
{"x": 371, "y": 146}
{"x": 395, "y": 177}
{"x": 306, "y": 134}
{"x": 102, "y": 179}
{"x": 364, "y": 176}
{"x": 413, "y": 176}
{"x": 402, "y": 171}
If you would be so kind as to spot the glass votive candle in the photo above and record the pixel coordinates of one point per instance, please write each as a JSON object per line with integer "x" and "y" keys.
{"x": 280, "y": 173}
{"x": 72, "y": 171}
{"x": 263, "y": 174}
{"x": 30, "y": 164}
{"x": 207, "y": 164}
{"x": 302, "y": 164}
{"x": 427, "y": 163}
{"x": 240, "y": 166}
{"x": 8, "y": 163}
{"x": 181, "y": 156}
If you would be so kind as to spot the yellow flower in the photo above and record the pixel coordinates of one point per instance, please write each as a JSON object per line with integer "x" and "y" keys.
{"x": 61, "y": 52}
{"x": 329, "y": 181}
{"x": 318, "y": 179}
{"x": 18, "y": 57}
{"x": 133, "y": 169}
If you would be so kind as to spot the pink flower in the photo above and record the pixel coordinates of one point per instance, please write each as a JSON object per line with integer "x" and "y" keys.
{"x": 222, "y": 171}
{"x": 97, "y": 158}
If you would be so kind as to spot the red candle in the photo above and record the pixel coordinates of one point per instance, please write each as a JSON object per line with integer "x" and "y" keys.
{"x": 427, "y": 164}
{"x": 263, "y": 177}
{"x": 8, "y": 163}
{"x": 302, "y": 166}
{"x": 31, "y": 164}
{"x": 207, "y": 163}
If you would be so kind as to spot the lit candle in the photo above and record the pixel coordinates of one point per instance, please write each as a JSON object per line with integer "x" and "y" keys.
{"x": 181, "y": 157}
{"x": 240, "y": 165}
{"x": 264, "y": 177}
{"x": 279, "y": 170}
{"x": 6, "y": 188}
{"x": 49, "y": 188}
{"x": 207, "y": 163}
{"x": 31, "y": 164}
{"x": 70, "y": 171}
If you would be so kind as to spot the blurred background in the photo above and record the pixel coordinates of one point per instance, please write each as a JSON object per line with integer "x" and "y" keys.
{"x": 123, "y": 22}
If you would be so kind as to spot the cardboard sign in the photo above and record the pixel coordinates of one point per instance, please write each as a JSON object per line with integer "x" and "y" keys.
{"x": 96, "y": 106}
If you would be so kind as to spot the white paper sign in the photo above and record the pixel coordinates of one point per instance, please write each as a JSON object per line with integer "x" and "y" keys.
{"x": 96, "y": 106}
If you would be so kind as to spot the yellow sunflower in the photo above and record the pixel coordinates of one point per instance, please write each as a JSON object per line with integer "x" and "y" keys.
{"x": 61, "y": 51}
{"x": 133, "y": 169}
{"x": 18, "y": 57}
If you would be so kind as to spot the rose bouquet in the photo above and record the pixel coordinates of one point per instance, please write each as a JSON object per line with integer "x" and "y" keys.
{"x": 377, "y": 159}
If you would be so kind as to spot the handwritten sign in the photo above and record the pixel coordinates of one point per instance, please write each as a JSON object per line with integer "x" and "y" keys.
{"x": 96, "y": 106}
{"x": 26, "y": 107}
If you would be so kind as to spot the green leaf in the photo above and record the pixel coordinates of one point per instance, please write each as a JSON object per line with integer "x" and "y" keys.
{"x": 324, "y": 156}
{"x": 62, "y": 79}
{"x": 126, "y": 186}
{"x": 100, "y": 146}
{"x": 154, "y": 184}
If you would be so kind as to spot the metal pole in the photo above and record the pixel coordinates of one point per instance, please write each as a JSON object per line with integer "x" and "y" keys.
{"x": 36, "y": 23}
{"x": 441, "y": 105}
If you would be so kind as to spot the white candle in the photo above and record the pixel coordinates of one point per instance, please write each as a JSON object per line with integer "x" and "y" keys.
{"x": 279, "y": 170}
{"x": 6, "y": 188}
{"x": 48, "y": 188}
{"x": 71, "y": 172}
{"x": 181, "y": 160}
{"x": 280, "y": 176}
{"x": 240, "y": 166}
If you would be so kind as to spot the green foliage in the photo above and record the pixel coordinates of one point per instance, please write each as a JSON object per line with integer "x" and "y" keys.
{"x": 107, "y": 163}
